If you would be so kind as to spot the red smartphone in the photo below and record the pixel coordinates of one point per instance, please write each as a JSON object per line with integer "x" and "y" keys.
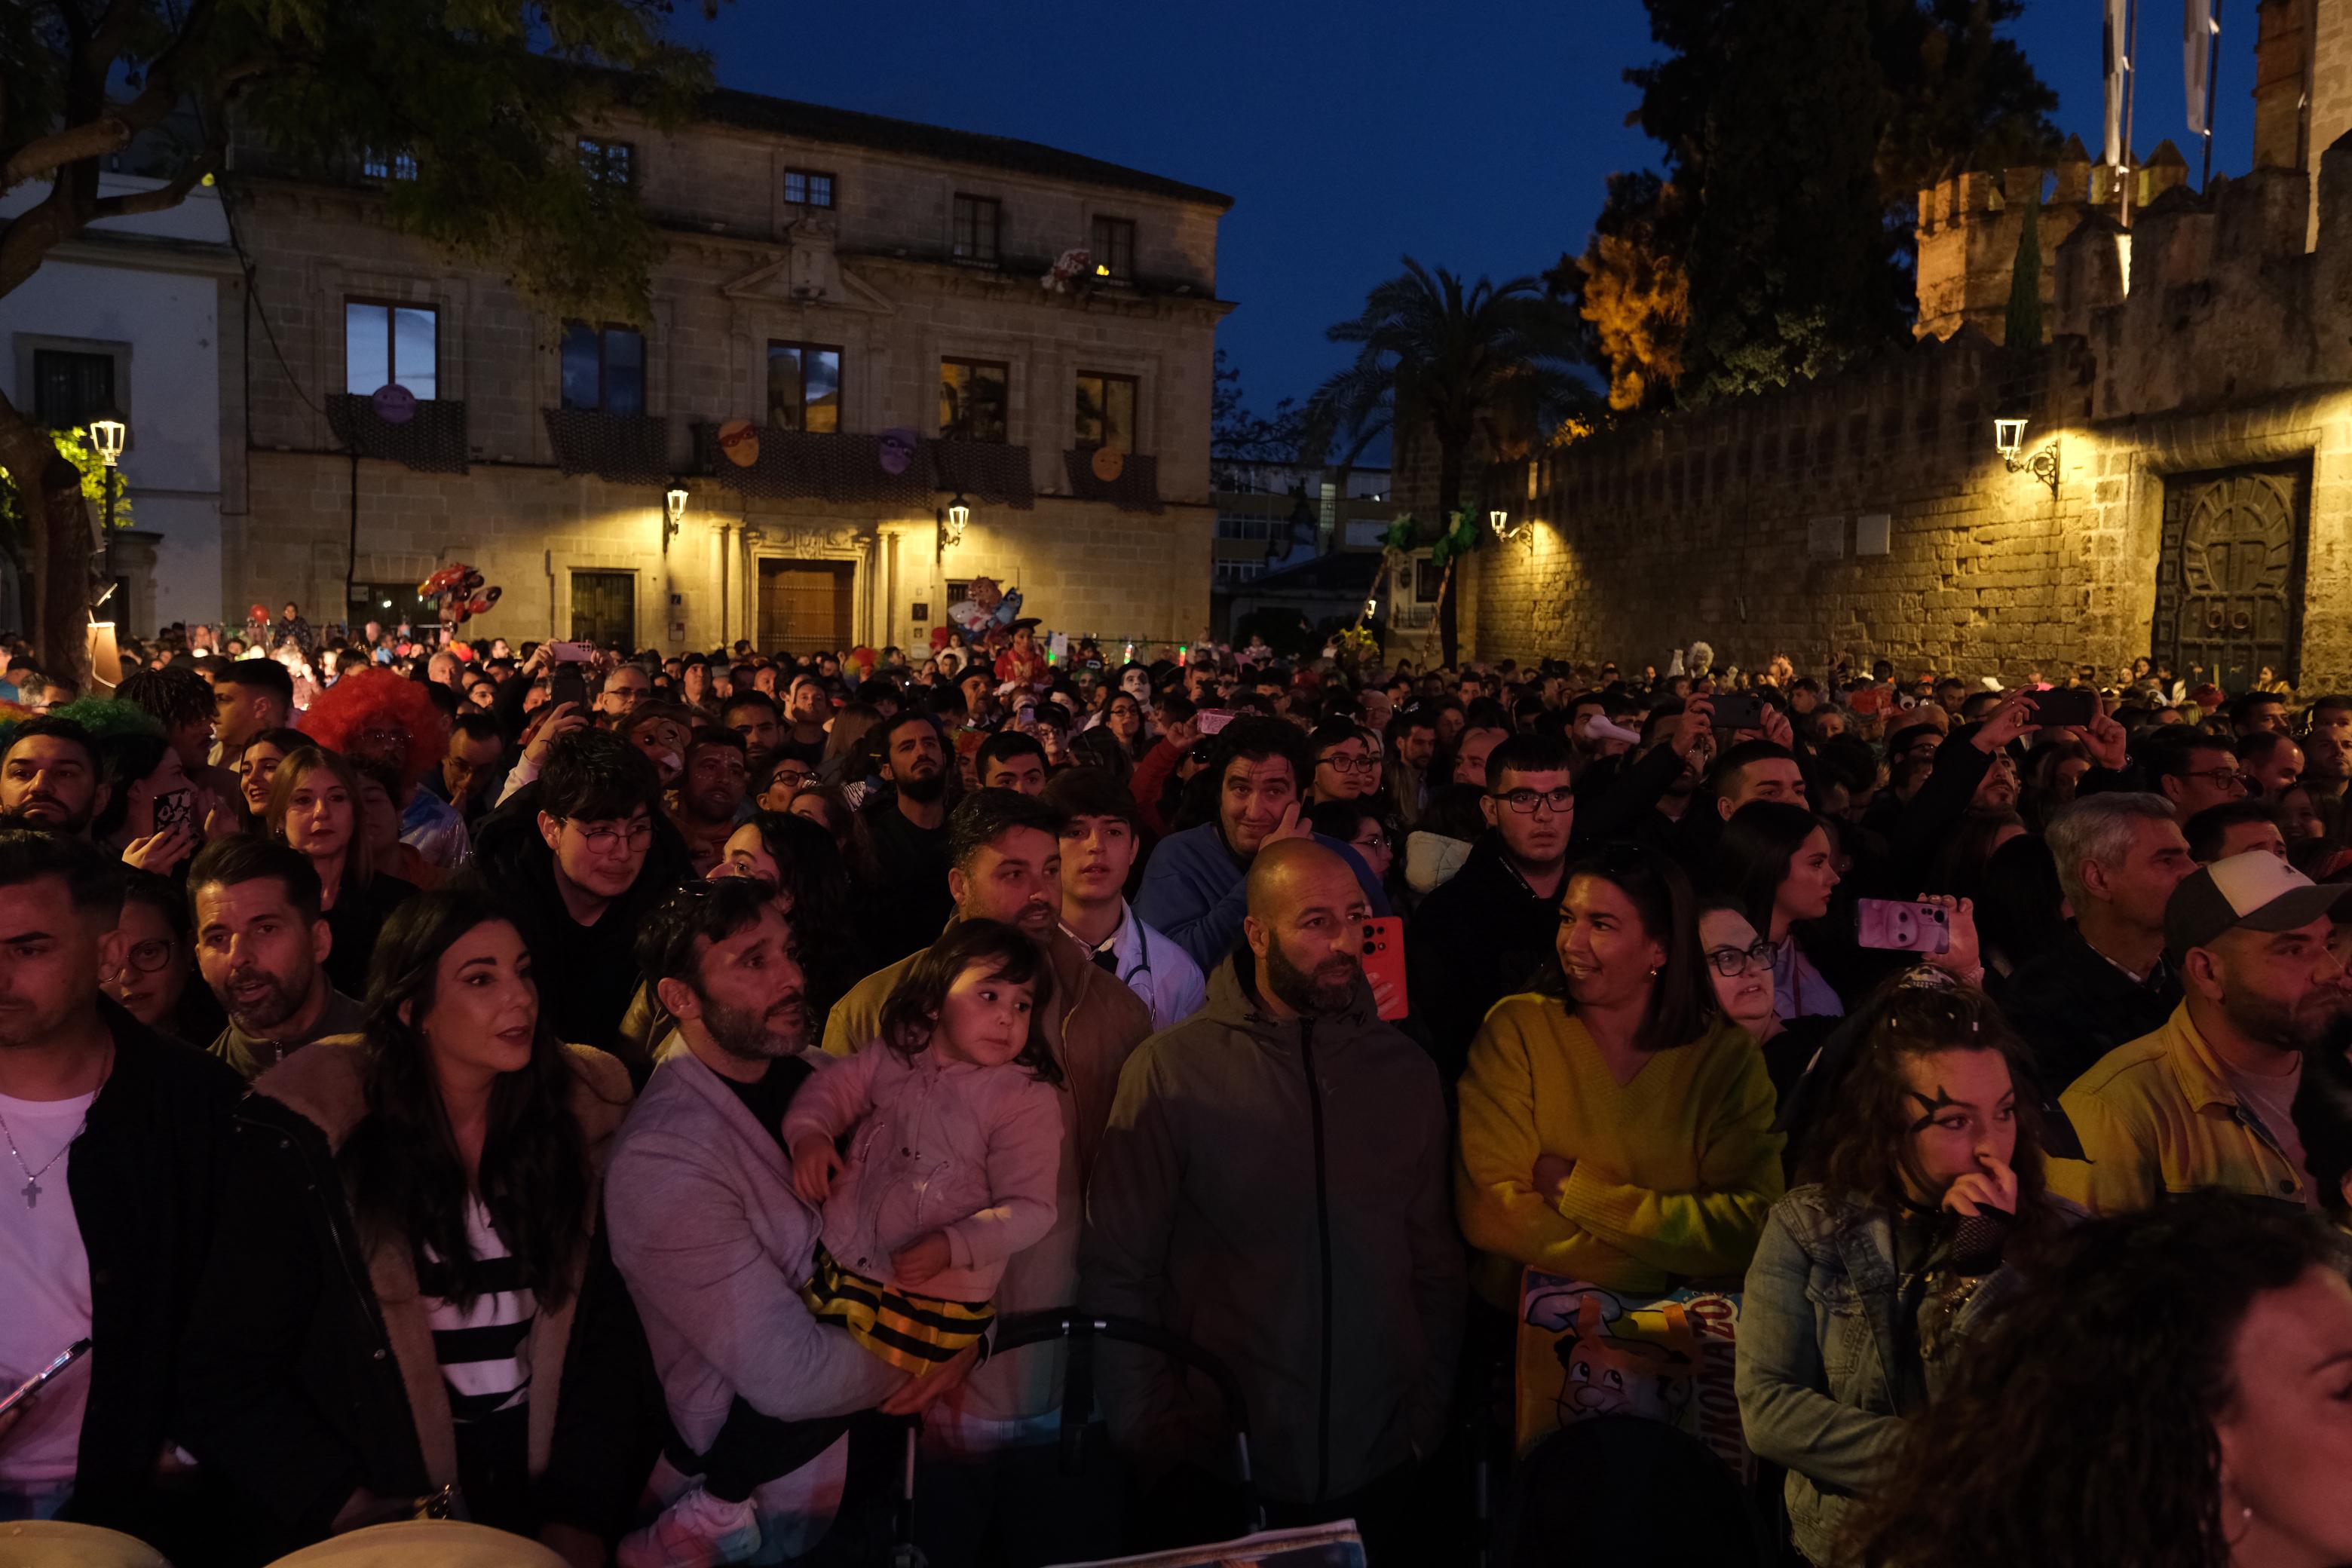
{"x": 1384, "y": 959}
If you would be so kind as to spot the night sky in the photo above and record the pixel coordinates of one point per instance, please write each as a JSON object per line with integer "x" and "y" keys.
{"x": 1350, "y": 135}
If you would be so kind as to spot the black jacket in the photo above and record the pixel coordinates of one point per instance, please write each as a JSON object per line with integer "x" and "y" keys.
{"x": 145, "y": 1180}
{"x": 2072, "y": 1007}
{"x": 586, "y": 973}
{"x": 1475, "y": 941}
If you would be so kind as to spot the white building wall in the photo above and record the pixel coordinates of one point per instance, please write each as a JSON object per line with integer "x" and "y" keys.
{"x": 146, "y": 288}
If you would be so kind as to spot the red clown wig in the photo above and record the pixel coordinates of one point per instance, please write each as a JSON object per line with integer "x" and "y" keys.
{"x": 377, "y": 714}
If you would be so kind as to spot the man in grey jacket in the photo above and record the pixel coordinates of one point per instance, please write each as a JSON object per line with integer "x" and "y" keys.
{"x": 1273, "y": 1186}
{"x": 706, "y": 1229}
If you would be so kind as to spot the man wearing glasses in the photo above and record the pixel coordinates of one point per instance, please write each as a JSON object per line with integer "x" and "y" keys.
{"x": 580, "y": 857}
{"x": 1484, "y": 934}
{"x": 1346, "y": 767}
{"x": 2193, "y": 772}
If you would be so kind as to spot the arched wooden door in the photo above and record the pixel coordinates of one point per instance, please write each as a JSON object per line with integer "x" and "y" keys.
{"x": 2229, "y": 587}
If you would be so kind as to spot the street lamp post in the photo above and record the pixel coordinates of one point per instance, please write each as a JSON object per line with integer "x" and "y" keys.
{"x": 108, "y": 431}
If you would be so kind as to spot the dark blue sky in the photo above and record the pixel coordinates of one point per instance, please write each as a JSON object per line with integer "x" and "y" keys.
{"x": 1471, "y": 138}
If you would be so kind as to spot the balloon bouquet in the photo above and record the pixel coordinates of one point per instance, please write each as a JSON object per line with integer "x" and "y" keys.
{"x": 456, "y": 591}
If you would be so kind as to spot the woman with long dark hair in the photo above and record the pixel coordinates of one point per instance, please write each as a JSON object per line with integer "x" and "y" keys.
{"x": 316, "y": 806}
{"x": 156, "y": 983}
{"x": 2171, "y": 1393}
{"x": 1780, "y": 862}
{"x": 1616, "y": 1128}
{"x": 390, "y": 1308}
{"x": 1923, "y": 1188}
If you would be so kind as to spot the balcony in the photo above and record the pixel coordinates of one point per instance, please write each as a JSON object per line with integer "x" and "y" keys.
{"x": 626, "y": 448}
{"x": 1136, "y": 488}
{"x": 433, "y": 441}
{"x": 846, "y": 469}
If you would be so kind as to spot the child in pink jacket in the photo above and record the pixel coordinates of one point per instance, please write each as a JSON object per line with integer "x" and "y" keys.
{"x": 955, "y": 1149}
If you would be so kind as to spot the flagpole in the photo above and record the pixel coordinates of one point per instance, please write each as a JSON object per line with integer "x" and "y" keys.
{"x": 2131, "y": 82}
{"x": 2212, "y": 81}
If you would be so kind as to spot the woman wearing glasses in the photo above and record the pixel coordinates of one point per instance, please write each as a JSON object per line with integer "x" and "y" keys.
{"x": 158, "y": 962}
{"x": 1922, "y": 1190}
{"x": 1616, "y": 1127}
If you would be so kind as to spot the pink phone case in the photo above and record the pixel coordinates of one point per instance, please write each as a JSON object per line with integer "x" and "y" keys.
{"x": 1903, "y": 927}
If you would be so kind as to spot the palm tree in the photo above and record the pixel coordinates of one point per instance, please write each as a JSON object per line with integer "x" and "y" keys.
{"x": 1457, "y": 363}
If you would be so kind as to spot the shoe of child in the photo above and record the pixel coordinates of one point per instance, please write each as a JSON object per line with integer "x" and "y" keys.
{"x": 698, "y": 1530}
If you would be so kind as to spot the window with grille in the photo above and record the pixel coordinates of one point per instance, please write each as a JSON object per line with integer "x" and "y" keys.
{"x": 804, "y": 388}
{"x": 1114, "y": 247}
{"x": 71, "y": 387}
{"x": 979, "y": 220}
{"x": 385, "y": 342}
{"x": 604, "y": 369}
{"x": 808, "y": 188}
{"x": 604, "y": 608}
{"x": 609, "y": 163}
{"x": 1105, "y": 411}
{"x": 975, "y": 399}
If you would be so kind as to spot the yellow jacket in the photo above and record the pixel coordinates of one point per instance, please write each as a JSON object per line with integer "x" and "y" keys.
{"x": 1675, "y": 1172}
{"x": 2157, "y": 1116}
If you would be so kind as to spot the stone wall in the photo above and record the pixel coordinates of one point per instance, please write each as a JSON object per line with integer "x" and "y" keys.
{"x": 1744, "y": 524}
{"x": 865, "y": 277}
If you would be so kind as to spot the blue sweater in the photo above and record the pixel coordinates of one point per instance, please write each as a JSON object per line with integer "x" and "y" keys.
{"x": 1193, "y": 891}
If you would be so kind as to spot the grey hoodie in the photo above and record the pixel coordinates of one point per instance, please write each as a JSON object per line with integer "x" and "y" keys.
{"x": 1276, "y": 1193}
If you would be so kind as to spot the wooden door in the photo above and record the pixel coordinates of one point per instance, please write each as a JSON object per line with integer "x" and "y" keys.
{"x": 804, "y": 605}
{"x": 2228, "y": 586}
{"x": 604, "y": 609}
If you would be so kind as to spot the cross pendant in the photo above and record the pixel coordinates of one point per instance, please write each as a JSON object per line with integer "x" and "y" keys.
{"x": 32, "y": 1192}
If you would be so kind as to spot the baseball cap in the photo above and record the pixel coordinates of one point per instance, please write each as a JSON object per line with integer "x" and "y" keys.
{"x": 2256, "y": 890}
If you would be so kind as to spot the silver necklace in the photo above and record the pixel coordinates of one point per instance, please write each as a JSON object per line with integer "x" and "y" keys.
{"x": 32, "y": 1188}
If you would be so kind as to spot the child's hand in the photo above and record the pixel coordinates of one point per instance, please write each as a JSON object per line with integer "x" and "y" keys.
{"x": 816, "y": 1162}
{"x": 921, "y": 1260}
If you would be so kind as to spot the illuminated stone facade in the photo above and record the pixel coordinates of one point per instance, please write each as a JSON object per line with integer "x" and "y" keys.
{"x": 881, "y": 272}
{"x": 2199, "y": 432}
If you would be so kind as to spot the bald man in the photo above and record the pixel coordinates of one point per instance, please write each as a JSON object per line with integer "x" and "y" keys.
{"x": 1273, "y": 1185}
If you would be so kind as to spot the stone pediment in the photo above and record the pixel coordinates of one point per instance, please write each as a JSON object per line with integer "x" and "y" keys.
{"x": 809, "y": 273}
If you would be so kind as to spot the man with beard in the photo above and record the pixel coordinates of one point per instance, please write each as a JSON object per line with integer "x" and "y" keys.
{"x": 2204, "y": 1101}
{"x": 903, "y": 837}
{"x": 1274, "y": 1185}
{"x": 714, "y": 1247}
{"x": 710, "y": 793}
{"x": 262, "y": 946}
{"x": 992, "y": 1470}
{"x": 806, "y": 709}
{"x": 49, "y": 777}
{"x": 116, "y": 1137}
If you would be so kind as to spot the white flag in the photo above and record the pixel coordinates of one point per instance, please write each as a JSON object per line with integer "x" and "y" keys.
{"x": 2197, "y": 58}
{"x": 2118, "y": 38}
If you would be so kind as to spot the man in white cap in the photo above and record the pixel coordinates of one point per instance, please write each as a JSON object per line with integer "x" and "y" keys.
{"x": 2205, "y": 1101}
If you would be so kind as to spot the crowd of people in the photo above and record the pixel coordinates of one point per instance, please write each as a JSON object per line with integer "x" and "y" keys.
{"x": 624, "y": 1100}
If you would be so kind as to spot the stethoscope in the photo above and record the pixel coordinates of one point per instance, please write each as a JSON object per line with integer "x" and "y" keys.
{"x": 1143, "y": 954}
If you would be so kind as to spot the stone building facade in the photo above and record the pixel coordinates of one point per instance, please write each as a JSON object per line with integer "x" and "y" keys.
{"x": 823, "y": 273}
{"x": 2183, "y": 490}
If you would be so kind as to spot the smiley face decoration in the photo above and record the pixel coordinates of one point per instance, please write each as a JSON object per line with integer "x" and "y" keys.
{"x": 457, "y": 591}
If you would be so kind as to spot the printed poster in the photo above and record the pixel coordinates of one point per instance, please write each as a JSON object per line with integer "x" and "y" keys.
{"x": 1664, "y": 1356}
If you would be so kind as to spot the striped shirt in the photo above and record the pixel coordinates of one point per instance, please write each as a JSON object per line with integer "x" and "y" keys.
{"x": 485, "y": 1349}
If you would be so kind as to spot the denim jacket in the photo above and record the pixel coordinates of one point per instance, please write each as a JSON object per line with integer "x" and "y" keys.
{"x": 1817, "y": 1350}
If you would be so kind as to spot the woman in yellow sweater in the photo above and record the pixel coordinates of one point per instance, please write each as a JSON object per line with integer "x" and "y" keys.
{"x": 1616, "y": 1128}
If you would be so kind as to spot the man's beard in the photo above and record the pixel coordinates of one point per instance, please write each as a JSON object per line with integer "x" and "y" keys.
{"x": 277, "y": 1002}
{"x": 757, "y": 1037}
{"x": 923, "y": 789}
{"x": 57, "y": 818}
{"x": 2278, "y": 1025}
{"x": 1327, "y": 990}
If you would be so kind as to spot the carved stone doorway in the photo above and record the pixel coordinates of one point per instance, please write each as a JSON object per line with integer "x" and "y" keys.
{"x": 2228, "y": 586}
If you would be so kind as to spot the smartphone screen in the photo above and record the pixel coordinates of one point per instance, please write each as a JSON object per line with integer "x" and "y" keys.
{"x": 1737, "y": 712}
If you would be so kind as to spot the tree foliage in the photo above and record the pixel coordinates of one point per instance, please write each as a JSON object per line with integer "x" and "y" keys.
{"x": 486, "y": 98}
{"x": 1797, "y": 135}
{"x": 1479, "y": 367}
{"x": 1236, "y": 435}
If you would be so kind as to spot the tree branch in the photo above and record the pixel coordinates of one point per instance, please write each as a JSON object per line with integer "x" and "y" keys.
{"x": 164, "y": 197}
{"x": 47, "y": 155}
